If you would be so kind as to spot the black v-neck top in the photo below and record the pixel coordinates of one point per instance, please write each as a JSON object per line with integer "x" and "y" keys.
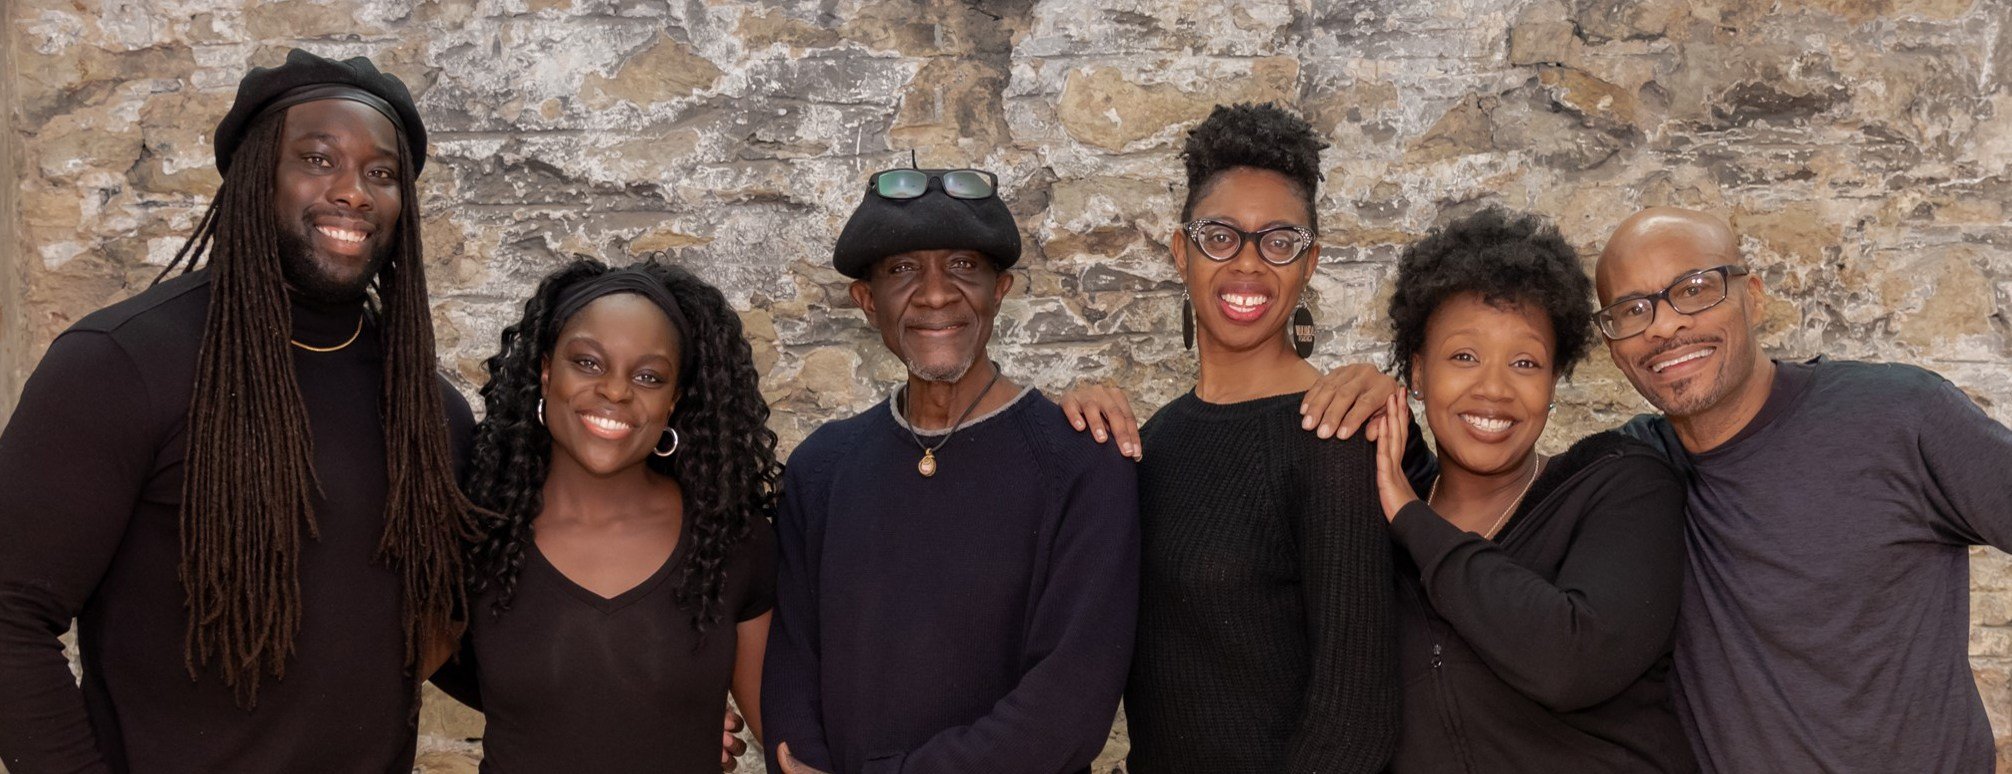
{"x": 570, "y": 680}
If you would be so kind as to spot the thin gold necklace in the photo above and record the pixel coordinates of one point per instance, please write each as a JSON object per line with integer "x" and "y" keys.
{"x": 1433, "y": 494}
{"x": 352, "y": 340}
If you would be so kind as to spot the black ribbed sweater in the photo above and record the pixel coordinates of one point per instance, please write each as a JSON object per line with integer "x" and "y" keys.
{"x": 1266, "y": 632}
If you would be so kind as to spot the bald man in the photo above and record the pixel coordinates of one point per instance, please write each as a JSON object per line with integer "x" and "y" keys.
{"x": 1826, "y": 614}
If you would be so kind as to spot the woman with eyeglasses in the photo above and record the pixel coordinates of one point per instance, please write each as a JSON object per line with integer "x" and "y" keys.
{"x": 1265, "y": 639}
{"x": 623, "y": 575}
{"x": 1537, "y": 597}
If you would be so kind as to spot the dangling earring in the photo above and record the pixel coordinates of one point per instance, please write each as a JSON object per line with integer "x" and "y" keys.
{"x": 1302, "y": 331}
{"x": 541, "y": 411}
{"x": 1187, "y": 320}
{"x": 674, "y": 444}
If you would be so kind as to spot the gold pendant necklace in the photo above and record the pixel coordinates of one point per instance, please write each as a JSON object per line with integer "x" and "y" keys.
{"x": 344, "y": 344}
{"x": 927, "y": 465}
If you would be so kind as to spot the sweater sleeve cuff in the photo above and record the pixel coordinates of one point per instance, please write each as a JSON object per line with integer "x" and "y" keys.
{"x": 1423, "y": 533}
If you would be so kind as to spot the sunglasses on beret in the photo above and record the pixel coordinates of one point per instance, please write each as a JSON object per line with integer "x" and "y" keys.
{"x": 912, "y": 183}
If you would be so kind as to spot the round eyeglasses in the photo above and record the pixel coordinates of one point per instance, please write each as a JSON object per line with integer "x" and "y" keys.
{"x": 1278, "y": 245}
{"x": 912, "y": 183}
{"x": 1690, "y": 294}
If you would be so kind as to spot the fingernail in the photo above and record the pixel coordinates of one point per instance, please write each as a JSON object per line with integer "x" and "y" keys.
{"x": 1079, "y": 425}
{"x": 1127, "y": 448}
{"x": 1100, "y": 436}
{"x": 1343, "y": 435}
{"x": 1305, "y": 423}
{"x": 1326, "y": 431}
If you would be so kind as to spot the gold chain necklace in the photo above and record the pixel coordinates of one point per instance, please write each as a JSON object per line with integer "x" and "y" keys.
{"x": 927, "y": 465}
{"x": 1433, "y": 494}
{"x": 347, "y": 342}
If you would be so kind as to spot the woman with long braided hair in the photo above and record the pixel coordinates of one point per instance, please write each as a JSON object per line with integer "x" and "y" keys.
{"x": 623, "y": 573}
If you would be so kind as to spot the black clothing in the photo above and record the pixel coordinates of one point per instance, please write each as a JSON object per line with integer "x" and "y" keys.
{"x": 976, "y": 621}
{"x": 1547, "y": 650}
{"x": 92, "y": 468}
{"x": 1825, "y": 624}
{"x": 1265, "y": 625}
{"x": 569, "y": 680}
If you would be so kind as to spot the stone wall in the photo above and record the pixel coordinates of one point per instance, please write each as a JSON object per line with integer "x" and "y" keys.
{"x": 14, "y": 337}
{"x": 1860, "y": 147}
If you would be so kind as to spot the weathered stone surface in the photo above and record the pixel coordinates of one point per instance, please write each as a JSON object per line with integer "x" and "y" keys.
{"x": 1861, "y": 148}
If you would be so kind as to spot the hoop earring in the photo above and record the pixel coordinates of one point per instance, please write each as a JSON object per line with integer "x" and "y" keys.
{"x": 1187, "y": 320}
{"x": 541, "y": 412}
{"x": 1302, "y": 331}
{"x": 674, "y": 444}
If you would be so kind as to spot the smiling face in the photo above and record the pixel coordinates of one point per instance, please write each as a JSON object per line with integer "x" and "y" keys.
{"x": 611, "y": 383}
{"x": 1244, "y": 303}
{"x": 1487, "y": 374}
{"x": 934, "y": 308}
{"x": 1685, "y": 364}
{"x": 336, "y": 197}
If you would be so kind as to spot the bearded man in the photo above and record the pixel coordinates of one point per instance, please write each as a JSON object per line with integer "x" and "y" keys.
{"x": 957, "y": 581}
{"x": 240, "y": 483}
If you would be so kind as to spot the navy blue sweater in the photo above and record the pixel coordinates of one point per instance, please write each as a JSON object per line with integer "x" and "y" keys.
{"x": 980, "y": 620}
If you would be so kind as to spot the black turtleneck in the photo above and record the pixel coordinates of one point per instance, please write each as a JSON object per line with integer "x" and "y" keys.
{"x": 91, "y": 467}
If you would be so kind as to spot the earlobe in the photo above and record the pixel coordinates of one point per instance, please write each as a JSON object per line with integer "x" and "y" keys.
{"x": 862, "y": 297}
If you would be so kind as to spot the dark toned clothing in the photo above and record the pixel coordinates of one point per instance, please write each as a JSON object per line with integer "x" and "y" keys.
{"x": 92, "y": 467}
{"x": 1826, "y": 612}
{"x": 976, "y": 621}
{"x": 1265, "y": 626}
{"x": 569, "y": 680}
{"x": 1547, "y": 649}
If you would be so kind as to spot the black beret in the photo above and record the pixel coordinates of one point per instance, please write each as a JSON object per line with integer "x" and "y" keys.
{"x": 933, "y": 221}
{"x": 266, "y": 87}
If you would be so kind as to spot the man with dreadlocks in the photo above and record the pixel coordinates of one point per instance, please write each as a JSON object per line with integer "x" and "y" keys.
{"x": 239, "y": 482}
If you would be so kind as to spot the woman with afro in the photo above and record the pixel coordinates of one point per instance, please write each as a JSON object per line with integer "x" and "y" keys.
{"x": 1537, "y": 596}
{"x": 1265, "y": 636}
{"x": 623, "y": 573}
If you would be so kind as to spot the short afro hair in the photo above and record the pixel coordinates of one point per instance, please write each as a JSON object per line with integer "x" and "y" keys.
{"x": 1260, "y": 136}
{"x": 1511, "y": 260}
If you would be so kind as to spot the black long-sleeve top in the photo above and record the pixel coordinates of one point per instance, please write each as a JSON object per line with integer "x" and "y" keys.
{"x": 1549, "y": 648}
{"x": 1266, "y": 639}
{"x": 979, "y": 620}
{"x": 91, "y": 467}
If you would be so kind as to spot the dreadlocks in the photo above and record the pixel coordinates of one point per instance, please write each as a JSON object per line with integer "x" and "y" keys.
{"x": 250, "y": 485}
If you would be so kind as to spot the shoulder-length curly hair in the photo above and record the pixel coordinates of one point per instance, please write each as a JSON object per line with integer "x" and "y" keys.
{"x": 1510, "y": 259}
{"x": 726, "y": 462}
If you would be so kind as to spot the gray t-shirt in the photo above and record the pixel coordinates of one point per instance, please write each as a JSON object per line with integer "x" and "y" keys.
{"x": 1826, "y": 608}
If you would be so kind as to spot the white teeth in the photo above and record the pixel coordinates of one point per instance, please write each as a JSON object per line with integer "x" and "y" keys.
{"x": 341, "y": 234}
{"x": 1658, "y": 367}
{"x": 1245, "y": 302}
{"x": 608, "y": 424}
{"x": 1487, "y": 424}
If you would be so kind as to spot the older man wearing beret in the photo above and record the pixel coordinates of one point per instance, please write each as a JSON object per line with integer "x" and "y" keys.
{"x": 240, "y": 482}
{"x": 958, "y": 572}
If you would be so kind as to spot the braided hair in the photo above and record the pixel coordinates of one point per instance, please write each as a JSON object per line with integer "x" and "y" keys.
{"x": 249, "y": 491}
{"x": 726, "y": 463}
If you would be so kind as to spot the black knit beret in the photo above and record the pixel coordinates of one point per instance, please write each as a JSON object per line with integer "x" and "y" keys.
{"x": 264, "y": 87}
{"x": 881, "y": 227}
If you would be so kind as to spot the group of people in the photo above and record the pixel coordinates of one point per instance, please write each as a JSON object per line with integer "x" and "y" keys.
{"x": 272, "y": 521}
